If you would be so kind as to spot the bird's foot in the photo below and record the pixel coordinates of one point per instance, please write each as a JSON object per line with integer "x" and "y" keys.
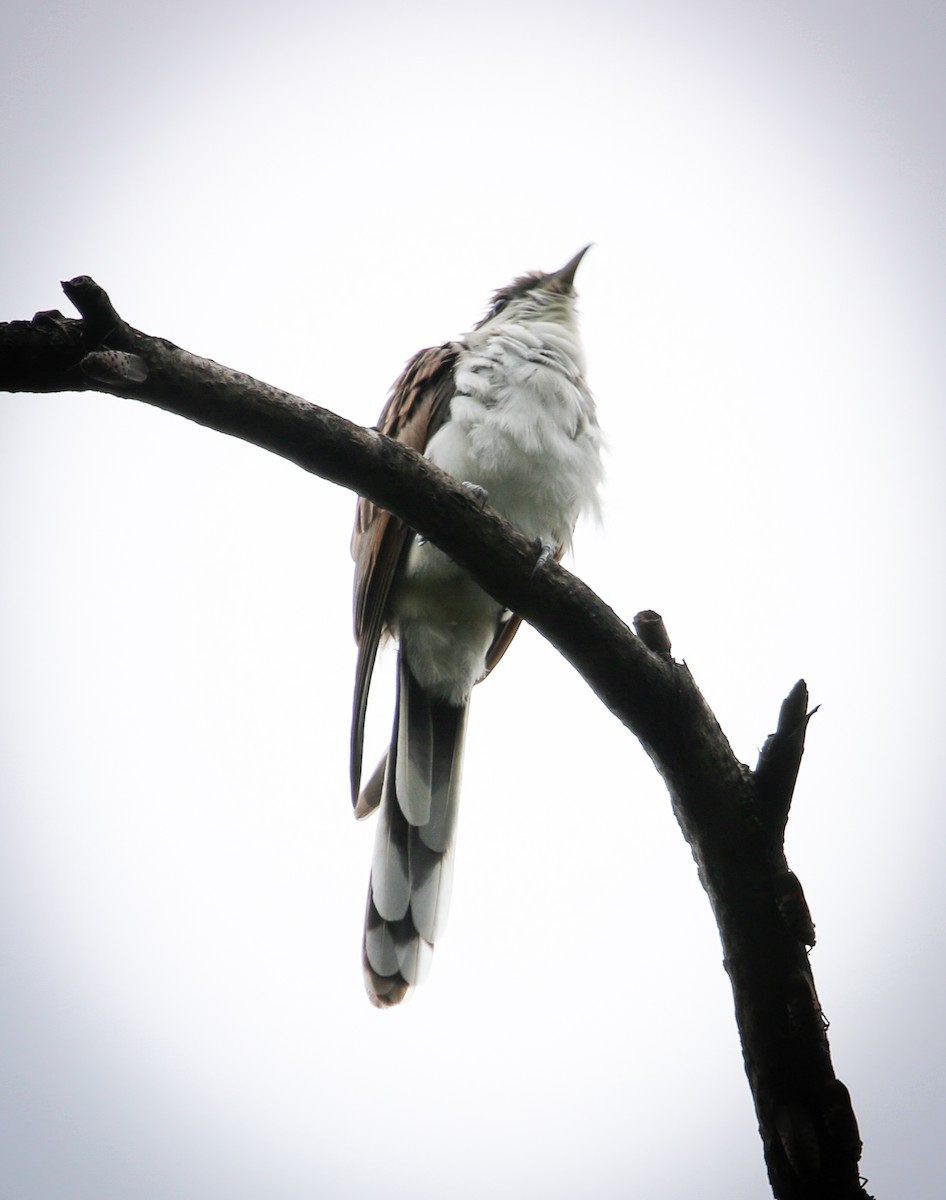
{"x": 547, "y": 553}
{"x": 477, "y": 492}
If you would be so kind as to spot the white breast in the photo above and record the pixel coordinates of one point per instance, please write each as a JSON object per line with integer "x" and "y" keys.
{"x": 522, "y": 425}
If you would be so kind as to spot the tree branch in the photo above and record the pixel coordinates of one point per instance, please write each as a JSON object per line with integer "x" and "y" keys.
{"x": 733, "y": 818}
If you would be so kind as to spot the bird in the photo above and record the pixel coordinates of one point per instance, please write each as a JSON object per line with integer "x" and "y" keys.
{"x": 506, "y": 410}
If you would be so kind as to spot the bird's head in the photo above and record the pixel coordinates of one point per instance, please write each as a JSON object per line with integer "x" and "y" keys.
{"x": 537, "y": 297}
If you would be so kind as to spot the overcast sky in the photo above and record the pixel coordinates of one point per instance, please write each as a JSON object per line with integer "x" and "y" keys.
{"x": 311, "y": 193}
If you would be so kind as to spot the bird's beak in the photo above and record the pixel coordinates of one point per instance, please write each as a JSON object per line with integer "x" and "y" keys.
{"x": 566, "y": 275}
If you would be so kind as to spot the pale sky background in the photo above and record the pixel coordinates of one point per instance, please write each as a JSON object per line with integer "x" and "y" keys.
{"x": 311, "y": 193}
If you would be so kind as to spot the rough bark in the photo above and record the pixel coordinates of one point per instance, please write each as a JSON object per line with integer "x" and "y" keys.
{"x": 732, "y": 817}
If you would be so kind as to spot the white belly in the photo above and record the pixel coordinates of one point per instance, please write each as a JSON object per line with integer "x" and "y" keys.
{"x": 444, "y": 623}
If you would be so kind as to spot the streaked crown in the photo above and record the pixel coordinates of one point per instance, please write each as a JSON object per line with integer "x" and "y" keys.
{"x": 536, "y": 296}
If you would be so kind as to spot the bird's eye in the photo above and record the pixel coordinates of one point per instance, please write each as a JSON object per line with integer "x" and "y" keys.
{"x": 499, "y": 306}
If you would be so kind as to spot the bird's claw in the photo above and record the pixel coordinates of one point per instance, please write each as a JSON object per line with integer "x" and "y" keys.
{"x": 477, "y": 492}
{"x": 547, "y": 553}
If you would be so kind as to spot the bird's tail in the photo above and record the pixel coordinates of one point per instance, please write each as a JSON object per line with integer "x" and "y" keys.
{"x": 412, "y": 867}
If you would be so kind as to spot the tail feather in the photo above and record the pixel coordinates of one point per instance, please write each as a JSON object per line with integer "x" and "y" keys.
{"x": 431, "y": 880}
{"x": 412, "y": 867}
{"x": 390, "y": 864}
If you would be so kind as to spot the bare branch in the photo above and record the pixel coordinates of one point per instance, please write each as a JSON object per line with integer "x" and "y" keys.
{"x": 733, "y": 818}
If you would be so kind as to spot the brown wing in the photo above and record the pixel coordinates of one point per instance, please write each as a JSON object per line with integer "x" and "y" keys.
{"x": 418, "y": 406}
